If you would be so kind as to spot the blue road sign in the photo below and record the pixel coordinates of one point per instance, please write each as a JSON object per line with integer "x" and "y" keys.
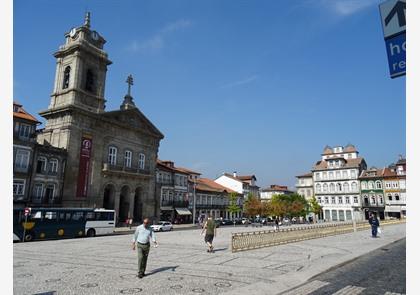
{"x": 395, "y": 47}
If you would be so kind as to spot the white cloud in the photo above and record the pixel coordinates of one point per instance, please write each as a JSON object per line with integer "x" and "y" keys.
{"x": 157, "y": 41}
{"x": 175, "y": 26}
{"x": 348, "y": 7}
{"x": 240, "y": 82}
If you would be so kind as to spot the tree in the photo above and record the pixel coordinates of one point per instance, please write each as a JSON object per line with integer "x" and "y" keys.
{"x": 314, "y": 206}
{"x": 233, "y": 207}
{"x": 288, "y": 205}
{"x": 252, "y": 206}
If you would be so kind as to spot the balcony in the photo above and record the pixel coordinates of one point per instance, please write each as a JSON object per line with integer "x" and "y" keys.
{"x": 208, "y": 206}
{"x": 175, "y": 204}
{"x": 123, "y": 170}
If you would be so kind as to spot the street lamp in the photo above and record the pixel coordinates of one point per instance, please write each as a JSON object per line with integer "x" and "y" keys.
{"x": 194, "y": 200}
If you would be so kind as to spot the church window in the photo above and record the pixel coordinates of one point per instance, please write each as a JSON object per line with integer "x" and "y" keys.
{"x": 112, "y": 155}
{"x": 127, "y": 159}
{"x": 24, "y": 131}
{"x": 38, "y": 190}
{"x": 54, "y": 165}
{"x": 346, "y": 187}
{"x": 18, "y": 186}
{"x": 22, "y": 159}
{"x": 49, "y": 192}
{"x": 90, "y": 81}
{"x": 66, "y": 78}
{"x": 141, "y": 161}
{"x": 41, "y": 165}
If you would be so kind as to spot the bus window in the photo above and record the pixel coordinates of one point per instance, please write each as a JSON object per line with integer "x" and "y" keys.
{"x": 36, "y": 215}
{"x": 50, "y": 215}
{"x": 104, "y": 216}
{"x": 77, "y": 216}
{"x": 90, "y": 216}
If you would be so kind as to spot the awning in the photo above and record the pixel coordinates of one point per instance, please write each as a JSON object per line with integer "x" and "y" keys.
{"x": 393, "y": 208}
{"x": 167, "y": 208}
{"x": 183, "y": 211}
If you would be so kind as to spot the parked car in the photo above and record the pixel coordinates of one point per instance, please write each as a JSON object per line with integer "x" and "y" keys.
{"x": 227, "y": 222}
{"x": 218, "y": 222}
{"x": 162, "y": 226}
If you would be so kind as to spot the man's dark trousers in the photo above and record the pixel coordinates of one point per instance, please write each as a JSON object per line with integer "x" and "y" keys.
{"x": 374, "y": 230}
{"x": 142, "y": 253}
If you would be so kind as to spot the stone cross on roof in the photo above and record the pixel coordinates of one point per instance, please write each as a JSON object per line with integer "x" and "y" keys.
{"x": 129, "y": 81}
{"x": 87, "y": 20}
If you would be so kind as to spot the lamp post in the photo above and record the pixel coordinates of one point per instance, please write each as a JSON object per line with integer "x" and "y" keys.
{"x": 194, "y": 201}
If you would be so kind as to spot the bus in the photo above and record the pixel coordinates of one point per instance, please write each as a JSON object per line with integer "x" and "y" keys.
{"x": 57, "y": 223}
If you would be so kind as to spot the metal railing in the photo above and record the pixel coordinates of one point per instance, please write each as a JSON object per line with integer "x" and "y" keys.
{"x": 267, "y": 238}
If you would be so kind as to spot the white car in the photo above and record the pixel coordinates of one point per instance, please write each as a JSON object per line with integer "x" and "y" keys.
{"x": 162, "y": 226}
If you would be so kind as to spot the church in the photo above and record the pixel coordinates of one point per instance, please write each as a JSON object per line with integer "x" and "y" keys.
{"x": 111, "y": 155}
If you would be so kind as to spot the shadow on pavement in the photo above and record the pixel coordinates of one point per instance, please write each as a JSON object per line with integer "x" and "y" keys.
{"x": 160, "y": 269}
{"x": 220, "y": 249}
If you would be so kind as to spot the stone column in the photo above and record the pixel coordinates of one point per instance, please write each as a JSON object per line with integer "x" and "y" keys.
{"x": 131, "y": 208}
{"x": 117, "y": 204}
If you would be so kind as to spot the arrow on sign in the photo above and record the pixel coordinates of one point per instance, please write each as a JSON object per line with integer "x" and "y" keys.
{"x": 399, "y": 10}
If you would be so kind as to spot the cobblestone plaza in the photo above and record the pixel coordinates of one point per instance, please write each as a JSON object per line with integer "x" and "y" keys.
{"x": 180, "y": 264}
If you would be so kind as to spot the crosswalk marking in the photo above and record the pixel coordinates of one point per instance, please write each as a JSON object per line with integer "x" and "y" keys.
{"x": 392, "y": 293}
{"x": 307, "y": 288}
{"x": 349, "y": 290}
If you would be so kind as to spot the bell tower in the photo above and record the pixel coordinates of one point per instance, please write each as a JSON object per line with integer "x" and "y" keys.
{"x": 80, "y": 71}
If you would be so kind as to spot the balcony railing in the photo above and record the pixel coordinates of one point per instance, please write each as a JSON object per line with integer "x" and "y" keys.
{"x": 123, "y": 169}
{"x": 178, "y": 204}
{"x": 208, "y": 206}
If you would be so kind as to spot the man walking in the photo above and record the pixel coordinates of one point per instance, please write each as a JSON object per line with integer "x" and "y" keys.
{"x": 210, "y": 228}
{"x": 142, "y": 237}
{"x": 374, "y": 223}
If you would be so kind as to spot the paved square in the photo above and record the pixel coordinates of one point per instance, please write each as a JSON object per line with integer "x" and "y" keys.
{"x": 180, "y": 265}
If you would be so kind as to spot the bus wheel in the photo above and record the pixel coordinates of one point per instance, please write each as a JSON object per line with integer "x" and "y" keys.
{"x": 91, "y": 232}
{"x": 29, "y": 237}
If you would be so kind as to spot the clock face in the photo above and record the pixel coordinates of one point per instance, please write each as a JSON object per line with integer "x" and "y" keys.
{"x": 73, "y": 32}
{"x": 95, "y": 35}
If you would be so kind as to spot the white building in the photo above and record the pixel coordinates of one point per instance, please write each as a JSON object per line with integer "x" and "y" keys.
{"x": 274, "y": 189}
{"x": 305, "y": 185}
{"x": 243, "y": 185}
{"x": 336, "y": 183}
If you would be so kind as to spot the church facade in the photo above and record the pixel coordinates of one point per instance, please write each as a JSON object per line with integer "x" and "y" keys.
{"x": 111, "y": 155}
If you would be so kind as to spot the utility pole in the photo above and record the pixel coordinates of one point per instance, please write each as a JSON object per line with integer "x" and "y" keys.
{"x": 194, "y": 202}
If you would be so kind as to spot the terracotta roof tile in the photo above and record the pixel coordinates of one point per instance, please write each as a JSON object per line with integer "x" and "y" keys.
{"x": 206, "y": 184}
{"x": 22, "y": 114}
{"x": 309, "y": 174}
{"x": 350, "y": 163}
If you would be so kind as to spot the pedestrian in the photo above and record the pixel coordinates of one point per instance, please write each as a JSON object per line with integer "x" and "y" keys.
{"x": 374, "y": 223}
{"x": 276, "y": 221}
{"x": 210, "y": 228}
{"x": 142, "y": 237}
{"x": 130, "y": 222}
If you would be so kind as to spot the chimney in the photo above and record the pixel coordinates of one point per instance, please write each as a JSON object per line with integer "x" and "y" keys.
{"x": 234, "y": 173}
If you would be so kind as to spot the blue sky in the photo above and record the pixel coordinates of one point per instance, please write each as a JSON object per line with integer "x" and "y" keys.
{"x": 257, "y": 87}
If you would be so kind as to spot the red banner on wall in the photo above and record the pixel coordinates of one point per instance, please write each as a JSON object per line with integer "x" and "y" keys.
{"x": 84, "y": 167}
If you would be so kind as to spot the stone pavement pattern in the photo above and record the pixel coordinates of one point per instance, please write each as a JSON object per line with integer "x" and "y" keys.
{"x": 180, "y": 265}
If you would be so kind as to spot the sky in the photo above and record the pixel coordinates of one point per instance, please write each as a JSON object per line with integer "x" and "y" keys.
{"x": 257, "y": 87}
